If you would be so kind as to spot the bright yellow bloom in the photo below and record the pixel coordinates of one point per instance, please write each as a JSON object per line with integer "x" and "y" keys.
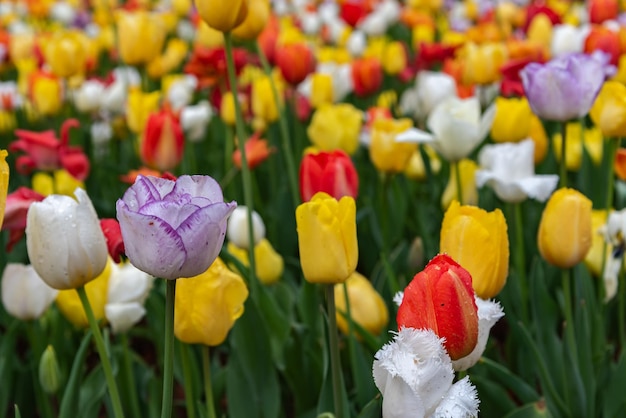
{"x": 478, "y": 241}
{"x": 592, "y": 142}
{"x": 60, "y": 182}
{"x": 620, "y": 75}
{"x": 321, "y": 90}
{"x": 223, "y": 15}
{"x": 263, "y": 102}
{"x": 469, "y": 192}
{"x": 181, "y": 7}
{"x": 512, "y": 120}
{"x": 208, "y": 37}
{"x": 66, "y": 54}
{"x": 255, "y": 21}
{"x": 564, "y": 235}
{"x": 227, "y": 109}
{"x": 141, "y": 36}
{"x": 609, "y": 110}
{"x": 386, "y": 154}
{"x": 4, "y": 182}
{"x": 327, "y": 238}
{"x": 139, "y": 107}
{"x": 207, "y": 305}
{"x": 367, "y": 307}
{"x": 540, "y": 31}
{"x": 593, "y": 259}
{"x": 538, "y": 134}
{"x": 46, "y": 94}
{"x": 175, "y": 52}
{"x": 22, "y": 46}
{"x": 483, "y": 62}
{"x": 269, "y": 265}
{"x": 394, "y": 58}
{"x": 336, "y": 127}
{"x": 416, "y": 169}
{"x": 97, "y": 291}
{"x": 7, "y": 121}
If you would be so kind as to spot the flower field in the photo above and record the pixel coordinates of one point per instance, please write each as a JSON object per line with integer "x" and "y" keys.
{"x": 312, "y": 209}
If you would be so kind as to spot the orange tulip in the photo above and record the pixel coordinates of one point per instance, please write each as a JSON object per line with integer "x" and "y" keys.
{"x": 257, "y": 151}
{"x": 162, "y": 141}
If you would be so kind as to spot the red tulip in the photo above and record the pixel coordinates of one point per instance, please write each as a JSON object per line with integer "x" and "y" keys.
{"x": 601, "y": 10}
{"x": 441, "y": 298}
{"x": 113, "y": 236}
{"x": 295, "y": 62}
{"x": 257, "y": 151}
{"x": 353, "y": 11}
{"x": 329, "y": 172}
{"x": 162, "y": 142}
{"x": 367, "y": 75}
{"x": 603, "y": 39}
{"x": 17, "y": 205}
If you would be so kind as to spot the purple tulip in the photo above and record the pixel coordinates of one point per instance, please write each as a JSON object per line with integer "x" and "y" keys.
{"x": 173, "y": 229}
{"x": 565, "y": 88}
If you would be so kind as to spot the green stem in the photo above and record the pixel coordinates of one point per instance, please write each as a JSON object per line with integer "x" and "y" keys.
{"x": 245, "y": 169}
{"x": 129, "y": 377}
{"x": 35, "y": 342}
{"x": 520, "y": 259}
{"x": 168, "y": 359}
{"x": 457, "y": 178}
{"x": 610, "y": 181}
{"x": 208, "y": 387}
{"x": 569, "y": 313}
{"x": 189, "y": 391}
{"x": 563, "y": 164}
{"x": 284, "y": 130}
{"x": 621, "y": 304}
{"x": 104, "y": 358}
{"x": 335, "y": 360}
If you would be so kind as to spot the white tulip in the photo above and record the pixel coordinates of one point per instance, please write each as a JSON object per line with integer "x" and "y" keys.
{"x": 341, "y": 75}
{"x": 180, "y": 92}
{"x": 433, "y": 87}
{"x": 356, "y": 44}
{"x": 63, "y": 12}
{"x": 88, "y": 97}
{"x": 567, "y": 39}
{"x": 64, "y": 241}
{"x": 24, "y": 295}
{"x": 510, "y": 170}
{"x": 195, "y": 119}
{"x": 128, "y": 290}
{"x": 237, "y": 230}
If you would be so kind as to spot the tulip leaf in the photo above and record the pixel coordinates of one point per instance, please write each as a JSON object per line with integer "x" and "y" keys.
{"x": 533, "y": 410}
{"x": 92, "y": 392}
{"x": 614, "y": 404}
{"x": 277, "y": 322}
{"x": 17, "y": 412}
{"x": 69, "y": 402}
{"x": 7, "y": 348}
{"x": 372, "y": 409}
{"x": 494, "y": 399}
{"x": 519, "y": 387}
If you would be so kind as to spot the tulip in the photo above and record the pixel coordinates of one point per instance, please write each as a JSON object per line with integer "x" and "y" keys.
{"x": 326, "y": 220}
{"x": 416, "y": 168}
{"x": 367, "y": 307}
{"x": 24, "y": 294}
{"x": 367, "y": 76}
{"x": 223, "y": 16}
{"x": 322, "y": 90}
{"x": 127, "y": 291}
{"x": 4, "y": 183}
{"x": 88, "y": 97}
{"x": 49, "y": 371}
{"x": 207, "y": 305}
{"x": 173, "y": 56}
{"x": 564, "y": 235}
{"x": 295, "y": 61}
{"x": 594, "y": 258}
{"x": 195, "y": 119}
{"x": 64, "y": 241}
{"x": 619, "y": 165}
{"x": 237, "y": 229}
{"x": 509, "y": 169}
{"x": 139, "y": 107}
{"x": 60, "y": 182}
{"x": 227, "y": 108}
{"x": 66, "y": 55}
{"x": 263, "y": 104}
{"x": 394, "y": 58}
{"x": 71, "y": 307}
{"x": 441, "y": 298}
{"x": 329, "y": 172}
{"x": 601, "y": 38}
{"x": 269, "y": 265}
{"x": 578, "y": 138}
{"x": 431, "y": 88}
{"x": 483, "y": 62}
{"x": 143, "y": 34}
{"x": 609, "y": 110}
{"x": 113, "y": 236}
{"x": 602, "y": 10}
{"x": 565, "y": 87}
{"x": 469, "y": 191}
{"x": 386, "y": 153}
{"x": 469, "y": 230}
{"x": 512, "y": 119}
{"x": 162, "y": 141}
{"x": 46, "y": 93}
{"x": 567, "y": 39}
{"x": 173, "y": 229}
{"x": 414, "y": 374}
{"x": 17, "y": 204}
{"x": 255, "y": 21}
{"x": 257, "y": 151}
{"x": 336, "y": 127}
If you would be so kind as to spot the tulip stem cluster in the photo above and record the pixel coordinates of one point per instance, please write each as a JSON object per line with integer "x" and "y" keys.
{"x": 168, "y": 357}
{"x": 104, "y": 358}
{"x": 333, "y": 342}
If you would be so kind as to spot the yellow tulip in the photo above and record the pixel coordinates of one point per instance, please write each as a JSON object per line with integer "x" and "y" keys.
{"x": 620, "y": 75}
{"x": 512, "y": 120}
{"x": 263, "y": 103}
{"x": 255, "y": 21}
{"x": 609, "y": 110}
{"x": 483, "y": 62}
{"x": 141, "y": 36}
{"x": 416, "y": 169}
{"x": 227, "y": 108}
{"x": 207, "y": 306}
{"x": 139, "y": 107}
{"x": 327, "y": 238}
{"x": 223, "y": 15}
{"x": 336, "y": 127}
{"x": 97, "y": 291}
{"x": 593, "y": 259}
{"x": 591, "y": 140}
{"x": 564, "y": 235}
{"x": 208, "y": 37}
{"x": 321, "y": 90}
{"x": 269, "y": 265}
{"x": 181, "y": 7}
{"x": 22, "y": 46}
{"x": 175, "y": 52}
{"x": 46, "y": 94}
{"x": 469, "y": 192}
{"x": 394, "y": 58}
{"x": 386, "y": 154}
{"x": 478, "y": 241}
{"x": 60, "y": 182}
{"x": 537, "y": 133}
{"x": 367, "y": 307}
{"x": 66, "y": 54}
{"x": 7, "y": 121}
{"x": 4, "y": 182}
{"x": 540, "y": 31}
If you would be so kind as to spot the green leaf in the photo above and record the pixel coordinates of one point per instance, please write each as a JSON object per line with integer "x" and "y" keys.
{"x": 69, "y": 402}
{"x": 17, "y": 412}
{"x": 532, "y": 410}
{"x": 373, "y": 409}
{"x": 614, "y": 400}
{"x": 7, "y": 350}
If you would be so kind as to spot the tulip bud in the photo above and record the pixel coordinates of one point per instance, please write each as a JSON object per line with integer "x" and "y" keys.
{"x": 325, "y": 220}
{"x": 441, "y": 298}
{"x": 221, "y": 15}
{"x": 49, "y": 371}
{"x": 367, "y": 75}
{"x": 163, "y": 141}
{"x": 386, "y": 153}
{"x": 609, "y": 110}
{"x": 336, "y": 127}
{"x": 564, "y": 235}
{"x": 4, "y": 182}
{"x": 295, "y": 61}
{"x": 66, "y": 55}
{"x": 415, "y": 257}
{"x": 113, "y": 236}
{"x": 328, "y": 172}
{"x": 512, "y": 119}
{"x": 255, "y": 21}
{"x": 269, "y": 265}
{"x": 367, "y": 307}
{"x": 237, "y": 230}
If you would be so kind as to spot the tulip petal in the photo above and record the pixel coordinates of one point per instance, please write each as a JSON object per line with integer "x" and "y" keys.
{"x": 416, "y": 136}
{"x": 461, "y": 401}
{"x": 198, "y": 186}
{"x": 122, "y": 316}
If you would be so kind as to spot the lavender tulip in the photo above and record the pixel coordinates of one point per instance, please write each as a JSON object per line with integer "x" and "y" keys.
{"x": 565, "y": 87}
{"x": 173, "y": 229}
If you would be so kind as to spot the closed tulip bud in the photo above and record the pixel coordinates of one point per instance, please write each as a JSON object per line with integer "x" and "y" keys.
{"x": 564, "y": 235}
{"x": 49, "y": 371}
{"x": 66, "y": 54}
{"x": 221, "y": 15}
{"x": 64, "y": 240}
{"x": 322, "y": 91}
{"x": 469, "y": 191}
{"x": 367, "y": 76}
{"x": 46, "y": 93}
{"x": 483, "y": 62}
{"x": 162, "y": 142}
{"x": 143, "y": 35}
{"x": 255, "y": 21}
{"x": 336, "y": 127}
{"x": 394, "y": 58}
{"x": 512, "y": 119}
{"x": 227, "y": 108}
{"x": 263, "y": 102}
{"x": 609, "y": 110}
{"x": 269, "y": 265}
{"x": 139, "y": 107}
{"x": 593, "y": 259}
{"x": 467, "y": 231}
{"x": 207, "y": 305}
{"x": 327, "y": 238}
{"x": 4, "y": 182}
{"x": 24, "y": 294}
{"x": 601, "y": 10}
{"x": 257, "y": 151}
{"x": 441, "y": 298}
{"x": 113, "y": 235}
{"x": 329, "y": 172}
{"x": 386, "y": 153}
{"x": 295, "y": 61}
{"x": 367, "y": 307}
{"x": 237, "y": 230}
